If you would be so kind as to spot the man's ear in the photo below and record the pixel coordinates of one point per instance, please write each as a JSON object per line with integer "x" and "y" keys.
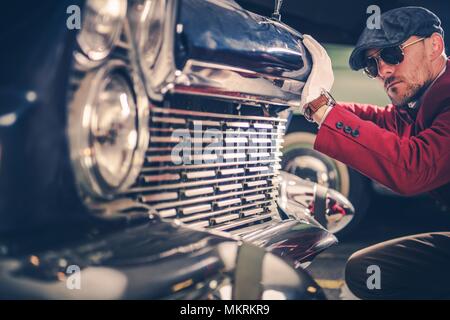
{"x": 437, "y": 46}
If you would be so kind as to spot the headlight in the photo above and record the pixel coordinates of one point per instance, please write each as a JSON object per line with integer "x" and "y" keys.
{"x": 151, "y": 23}
{"x": 150, "y": 31}
{"x": 102, "y": 25}
{"x": 108, "y": 131}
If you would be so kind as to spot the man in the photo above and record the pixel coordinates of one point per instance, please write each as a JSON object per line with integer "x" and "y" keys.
{"x": 405, "y": 146}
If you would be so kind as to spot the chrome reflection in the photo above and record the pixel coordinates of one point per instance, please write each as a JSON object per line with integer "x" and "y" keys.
{"x": 215, "y": 80}
{"x": 152, "y": 25}
{"x": 337, "y": 211}
{"x": 298, "y": 239}
{"x": 102, "y": 24}
{"x": 312, "y": 168}
{"x": 268, "y": 278}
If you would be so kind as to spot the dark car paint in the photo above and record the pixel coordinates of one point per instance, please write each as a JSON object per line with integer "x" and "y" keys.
{"x": 154, "y": 260}
{"x": 228, "y": 34}
{"x": 36, "y": 182}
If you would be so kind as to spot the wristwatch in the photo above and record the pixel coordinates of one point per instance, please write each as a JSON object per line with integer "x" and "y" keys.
{"x": 325, "y": 99}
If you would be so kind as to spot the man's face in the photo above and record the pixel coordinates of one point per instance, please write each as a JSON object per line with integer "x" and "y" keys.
{"x": 406, "y": 81}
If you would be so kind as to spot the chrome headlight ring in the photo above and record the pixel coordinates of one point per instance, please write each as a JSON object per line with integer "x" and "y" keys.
{"x": 108, "y": 130}
{"x": 152, "y": 24}
{"x": 149, "y": 15}
{"x": 101, "y": 28}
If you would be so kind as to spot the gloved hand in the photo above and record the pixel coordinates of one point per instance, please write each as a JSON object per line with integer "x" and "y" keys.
{"x": 321, "y": 76}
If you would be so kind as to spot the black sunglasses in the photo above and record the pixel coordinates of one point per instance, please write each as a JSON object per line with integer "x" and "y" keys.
{"x": 391, "y": 55}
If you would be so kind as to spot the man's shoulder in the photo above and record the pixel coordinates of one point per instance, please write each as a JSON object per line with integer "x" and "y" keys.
{"x": 437, "y": 99}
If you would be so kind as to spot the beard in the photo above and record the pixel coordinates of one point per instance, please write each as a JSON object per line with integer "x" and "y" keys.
{"x": 412, "y": 93}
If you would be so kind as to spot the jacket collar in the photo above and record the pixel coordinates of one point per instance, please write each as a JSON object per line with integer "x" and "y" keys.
{"x": 417, "y": 103}
{"x": 436, "y": 89}
{"x": 435, "y": 99}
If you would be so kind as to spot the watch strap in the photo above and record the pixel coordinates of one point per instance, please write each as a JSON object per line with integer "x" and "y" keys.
{"x": 317, "y": 103}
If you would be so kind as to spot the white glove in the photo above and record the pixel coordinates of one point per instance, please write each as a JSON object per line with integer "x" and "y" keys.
{"x": 321, "y": 76}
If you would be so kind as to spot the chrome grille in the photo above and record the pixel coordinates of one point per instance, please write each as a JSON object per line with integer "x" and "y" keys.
{"x": 231, "y": 188}
{"x": 230, "y": 195}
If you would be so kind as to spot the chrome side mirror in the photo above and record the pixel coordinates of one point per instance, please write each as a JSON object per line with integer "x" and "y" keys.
{"x": 276, "y": 12}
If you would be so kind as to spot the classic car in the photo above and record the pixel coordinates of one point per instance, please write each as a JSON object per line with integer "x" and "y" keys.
{"x": 141, "y": 153}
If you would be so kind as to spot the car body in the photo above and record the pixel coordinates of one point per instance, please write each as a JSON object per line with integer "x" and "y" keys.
{"x": 113, "y": 142}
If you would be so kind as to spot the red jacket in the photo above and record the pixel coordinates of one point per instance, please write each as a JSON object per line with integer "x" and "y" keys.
{"x": 409, "y": 153}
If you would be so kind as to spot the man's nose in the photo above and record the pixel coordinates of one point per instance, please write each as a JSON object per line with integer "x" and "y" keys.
{"x": 385, "y": 70}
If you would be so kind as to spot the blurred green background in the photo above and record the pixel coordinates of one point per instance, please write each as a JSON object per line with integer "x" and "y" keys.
{"x": 353, "y": 86}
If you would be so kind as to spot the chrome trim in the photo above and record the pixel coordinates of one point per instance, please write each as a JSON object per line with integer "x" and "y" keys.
{"x": 226, "y": 218}
{"x": 186, "y": 113}
{"x": 299, "y": 239}
{"x": 211, "y": 214}
{"x": 203, "y": 199}
{"x": 228, "y": 187}
{"x": 163, "y": 196}
{"x": 280, "y": 24}
{"x": 296, "y": 190}
{"x": 85, "y": 57}
{"x": 163, "y": 72}
{"x": 322, "y": 175}
{"x": 227, "y": 172}
{"x": 196, "y": 209}
{"x": 252, "y": 212}
{"x": 196, "y": 183}
{"x": 167, "y": 213}
{"x": 210, "y": 165}
{"x": 245, "y": 221}
{"x": 254, "y": 197}
{"x": 209, "y": 79}
{"x": 225, "y": 203}
{"x": 240, "y": 85}
{"x": 197, "y": 192}
{"x": 200, "y": 174}
{"x": 276, "y": 12}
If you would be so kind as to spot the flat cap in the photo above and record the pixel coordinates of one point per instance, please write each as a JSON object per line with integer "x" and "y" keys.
{"x": 396, "y": 27}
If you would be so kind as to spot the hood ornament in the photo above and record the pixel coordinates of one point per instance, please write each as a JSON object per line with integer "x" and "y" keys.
{"x": 276, "y": 12}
